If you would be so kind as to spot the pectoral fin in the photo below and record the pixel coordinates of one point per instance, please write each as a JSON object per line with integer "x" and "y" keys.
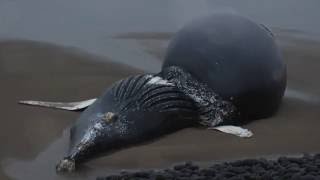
{"x": 70, "y": 106}
{"x": 235, "y": 130}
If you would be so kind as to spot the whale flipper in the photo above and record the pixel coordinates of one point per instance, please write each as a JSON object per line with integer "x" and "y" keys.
{"x": 235, "y": 130}
{"x": 70, "y": 106}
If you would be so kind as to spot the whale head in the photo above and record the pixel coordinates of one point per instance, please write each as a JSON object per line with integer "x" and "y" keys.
{"x": 107, "y": 132}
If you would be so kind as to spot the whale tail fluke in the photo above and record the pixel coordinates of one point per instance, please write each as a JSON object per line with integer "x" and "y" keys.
{"x": 70, "y": 106}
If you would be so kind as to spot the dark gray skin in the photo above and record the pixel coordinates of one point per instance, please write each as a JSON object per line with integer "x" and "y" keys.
{"x": 141, "y": 108}
{"x": 236, "y": 57}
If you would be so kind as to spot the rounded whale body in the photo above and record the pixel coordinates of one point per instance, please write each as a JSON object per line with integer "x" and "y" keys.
{"x": 236, "y": 57}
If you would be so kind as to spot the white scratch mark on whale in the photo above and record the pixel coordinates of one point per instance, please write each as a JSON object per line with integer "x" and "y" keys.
{"x": 160, "y": 81}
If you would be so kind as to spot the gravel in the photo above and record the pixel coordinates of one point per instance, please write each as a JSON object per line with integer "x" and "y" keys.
{"x": 284, "y": 168}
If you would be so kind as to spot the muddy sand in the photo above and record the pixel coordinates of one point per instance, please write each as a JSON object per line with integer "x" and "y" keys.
{"x": 34, "y": 139}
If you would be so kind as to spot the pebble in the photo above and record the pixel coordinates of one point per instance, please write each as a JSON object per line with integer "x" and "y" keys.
{"x": 284, "y": 168}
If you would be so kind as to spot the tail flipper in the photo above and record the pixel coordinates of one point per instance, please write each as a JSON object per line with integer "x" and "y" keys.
{"x": 235, "y": 130}
{"x": 70, "y": 106}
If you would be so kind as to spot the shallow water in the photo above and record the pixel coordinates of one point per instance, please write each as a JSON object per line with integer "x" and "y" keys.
{"x": 67, "y": 52}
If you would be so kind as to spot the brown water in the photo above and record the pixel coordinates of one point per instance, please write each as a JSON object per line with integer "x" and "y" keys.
{"x": 68, "y": 60}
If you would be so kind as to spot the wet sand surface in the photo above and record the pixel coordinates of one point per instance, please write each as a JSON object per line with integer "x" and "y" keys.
{"x": 34, "y": 70}
{"x": 34, "y": 139}
{"x": 69, "y": 60}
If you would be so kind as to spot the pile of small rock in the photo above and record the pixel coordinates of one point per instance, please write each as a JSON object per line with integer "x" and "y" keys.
{"x": 284, "y": 168}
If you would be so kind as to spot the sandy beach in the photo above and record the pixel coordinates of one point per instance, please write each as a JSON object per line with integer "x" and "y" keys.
{"x": 35, "y": 138}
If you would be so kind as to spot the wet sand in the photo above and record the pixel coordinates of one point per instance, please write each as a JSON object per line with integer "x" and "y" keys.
{"x": 34, "y": 139}
{"x": 34, "y": 70}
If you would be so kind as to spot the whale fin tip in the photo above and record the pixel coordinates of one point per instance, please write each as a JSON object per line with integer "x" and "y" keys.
{"x": 235, "y": 130}
{"x": 70, "y": 106}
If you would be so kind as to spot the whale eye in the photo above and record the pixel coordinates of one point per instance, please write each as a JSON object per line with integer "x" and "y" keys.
{"x": 110, "y": 117}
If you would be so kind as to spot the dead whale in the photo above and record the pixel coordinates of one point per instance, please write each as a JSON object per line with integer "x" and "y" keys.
{"x": 219, "y": 71}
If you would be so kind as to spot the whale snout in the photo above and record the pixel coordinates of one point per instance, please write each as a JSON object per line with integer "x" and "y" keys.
{"x": 66, "y": 165}
{"x": 107, "y": 133}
